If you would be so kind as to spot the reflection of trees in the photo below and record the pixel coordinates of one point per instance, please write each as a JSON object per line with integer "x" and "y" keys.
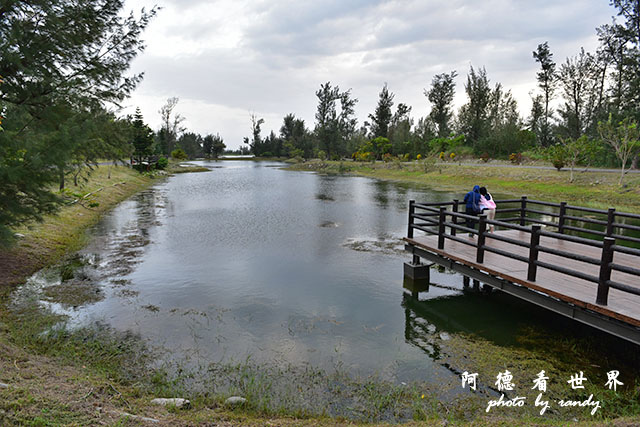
{"x": 381, "y": 192}
{"x": 145, "y": 212}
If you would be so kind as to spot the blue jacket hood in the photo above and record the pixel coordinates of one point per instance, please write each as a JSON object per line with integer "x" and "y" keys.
{"x": 476, "y": 188}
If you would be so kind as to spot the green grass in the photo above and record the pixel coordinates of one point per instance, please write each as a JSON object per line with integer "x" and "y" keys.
{"x": 591, "y": 189}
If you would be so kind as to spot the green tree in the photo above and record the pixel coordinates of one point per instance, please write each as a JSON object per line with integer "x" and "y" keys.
{"x": 213, "y": 146}
{"x": 579, "y": 81}
{"x": 473, "y": 115}
{"x": 440, "y": 96}
{"x": 334, "y": 129}
{"x": 295, "y": 137}
{"x": 59, "y": 60}
{"x": 381, "y": 118}
{"x": 191, "y": 143}
{"x": 400, "y": 129}
{"x": 628, "y": 35}
{"x": 255, "y": 144}
{"x": 141, "y": 138}
{"x": 623, "y": 137}
{"x": 547, "y": 82}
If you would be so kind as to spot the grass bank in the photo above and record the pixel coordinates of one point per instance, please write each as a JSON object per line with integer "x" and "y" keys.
{"x": 591, "y": 188}
{"x": 44, "y": 243}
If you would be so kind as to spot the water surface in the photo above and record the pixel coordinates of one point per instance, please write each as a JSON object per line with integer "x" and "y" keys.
{"x": 250, "y": 261}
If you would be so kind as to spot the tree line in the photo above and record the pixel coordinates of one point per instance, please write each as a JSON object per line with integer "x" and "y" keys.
{"x": 593, "y": 98}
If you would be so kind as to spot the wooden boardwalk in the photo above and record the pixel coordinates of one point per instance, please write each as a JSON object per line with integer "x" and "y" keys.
{"x": 593, "y": 280}
{"x": 622, "y": 305}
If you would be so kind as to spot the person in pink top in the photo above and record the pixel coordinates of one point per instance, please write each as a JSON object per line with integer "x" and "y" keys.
{"x": 488, "y": 206}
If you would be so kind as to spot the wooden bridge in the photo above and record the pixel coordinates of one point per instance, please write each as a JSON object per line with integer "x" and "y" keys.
{"x": 573, "y": 260}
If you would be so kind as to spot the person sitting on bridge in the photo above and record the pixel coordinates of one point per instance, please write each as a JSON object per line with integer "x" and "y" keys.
{"x": 488, "y": 206}
{"x": 472, "y": 206}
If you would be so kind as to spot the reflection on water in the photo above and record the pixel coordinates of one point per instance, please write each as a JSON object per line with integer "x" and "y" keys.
{"x": 249, "y": 260}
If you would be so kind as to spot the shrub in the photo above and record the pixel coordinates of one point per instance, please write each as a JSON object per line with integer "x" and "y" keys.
{"x": 515, "y": 158}
{"x": 365, "y": 157}
{"x": 387, "y": 157}
{"x": 179, "y": 154}
{"x": 419, "y": 156}
{"x": 162, "y": 163}
{"x": 322, "y": 155}
{"x": 485, "y": 157}
{"x": 297, "y": 152}
{"x": 428, "y": 164}
{"x": 557, "y": 155}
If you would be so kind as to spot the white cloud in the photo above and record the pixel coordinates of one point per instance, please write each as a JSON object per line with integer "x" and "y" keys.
{"x": 227, "y": 58}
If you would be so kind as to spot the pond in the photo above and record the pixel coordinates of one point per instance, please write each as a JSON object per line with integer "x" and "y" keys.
{"x": 251, "y": 261}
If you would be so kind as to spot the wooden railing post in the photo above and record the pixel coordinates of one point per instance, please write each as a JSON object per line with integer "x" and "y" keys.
{"x": 482, "y": 229}
{"x": 454, "y": 218}
{"x": 605, "y": 271}
{"x": 441, "y": 229}
{"x": 611, "y": 216}
{"x": 523, "y": 210}
{"x": 533, "y": 252}
{"x": 412, "y": 210}
{"x": 563, "y": 213}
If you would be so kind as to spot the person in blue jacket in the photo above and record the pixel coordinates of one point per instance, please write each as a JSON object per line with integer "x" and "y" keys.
{"x": 472, "y": 206}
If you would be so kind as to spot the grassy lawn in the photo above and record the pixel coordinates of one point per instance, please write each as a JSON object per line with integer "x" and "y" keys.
{"x": 593, "y": 189}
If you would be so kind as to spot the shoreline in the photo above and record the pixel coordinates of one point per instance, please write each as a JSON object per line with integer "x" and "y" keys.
{"x": 590, "y": 189}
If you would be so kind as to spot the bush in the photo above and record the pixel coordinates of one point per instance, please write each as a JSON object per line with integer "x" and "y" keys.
{"x": 557, "y": 155}
{"x": 515, "y": 158}
{"x": 179, "y": 154}
{"x": 162, "y": 163}
{"x": 322, "y": 155}
{"x": 387, "y": 157}
{"x": 365, "y": 157}
{"x": 428, "y": 164}
{"x": 485, "y": 157}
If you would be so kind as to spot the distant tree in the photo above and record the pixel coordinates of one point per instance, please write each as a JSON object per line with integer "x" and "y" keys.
{"x": 440, "y": 96}
{"x": 333, "y": 129}
{"x": 577, "y": 151}
{"x": 191, "y": 143}
{"x": 579, "y": 81}
{"x": 473, "y": 115}
{"x": 547, "y": 82}
{"x": 142, "y": 138}
{"x": 535, "y": 122}
{"x": 213, "y": 146}
{"x": 381, "y": 118}
{"x": 295, "y": 136}
{"x": 623, "y": 137}
{"x": 255, "y": 143}
{"x": 629, "y": 31}
{"x": 171, "y": 125}
{"x": 218, "y": 146}
{"x": 400, "y": 129}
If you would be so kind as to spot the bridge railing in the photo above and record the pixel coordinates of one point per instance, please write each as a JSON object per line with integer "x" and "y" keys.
{"x": 437, "y": 218}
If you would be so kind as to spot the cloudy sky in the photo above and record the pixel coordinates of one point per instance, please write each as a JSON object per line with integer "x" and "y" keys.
{"x": 227, "y": 59}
